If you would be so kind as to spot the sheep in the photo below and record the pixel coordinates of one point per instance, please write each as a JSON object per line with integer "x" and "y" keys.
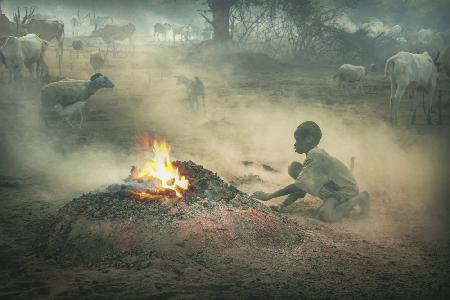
{"x": 97, "y": 60}
{"x": 69, "y": 91}
{"x": 68, "y": 112}
{"x": 348, "y": 73}
{"x": 411, "y": 71}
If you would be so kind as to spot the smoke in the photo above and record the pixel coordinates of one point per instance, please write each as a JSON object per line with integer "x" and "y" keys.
{"x": 402, "y": 168}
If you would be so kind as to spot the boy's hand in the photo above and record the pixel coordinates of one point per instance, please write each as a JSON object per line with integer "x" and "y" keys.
{"x": 277, "y": 208}
{"x": 261, "y": 196}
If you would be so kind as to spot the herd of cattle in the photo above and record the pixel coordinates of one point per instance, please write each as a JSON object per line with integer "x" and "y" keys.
{"x": 408, "y": 72}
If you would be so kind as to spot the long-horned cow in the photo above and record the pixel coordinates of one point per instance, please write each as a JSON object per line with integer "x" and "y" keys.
{"x": 417, "y": 72}
{"x": 49, "y": 29}
{"x": 26, "y": 51}
{"x": 111, "y": 33}
{"x": 161, "y": 30}
{"x": 12, "y": 57}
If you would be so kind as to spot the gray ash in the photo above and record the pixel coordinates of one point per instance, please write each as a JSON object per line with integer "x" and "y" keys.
{"x": 110, "y": 228}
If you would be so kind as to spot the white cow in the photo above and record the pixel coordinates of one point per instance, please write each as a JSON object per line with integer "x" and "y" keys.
{"x": 33, "y": 49}
{"x": 416, "y": 72}
{"x": 12, "y": 57}
{"x": 26, "y": 51}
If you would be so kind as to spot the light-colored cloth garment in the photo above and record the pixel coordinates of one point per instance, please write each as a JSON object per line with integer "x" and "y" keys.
{"x": 326, "y": 177}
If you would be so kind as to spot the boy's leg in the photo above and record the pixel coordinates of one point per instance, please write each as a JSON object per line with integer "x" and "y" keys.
{"x": 326, "y": 212}
{"x": 333, "y": 211}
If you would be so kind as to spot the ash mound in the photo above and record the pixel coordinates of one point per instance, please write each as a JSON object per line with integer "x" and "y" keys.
{"x": 111, "y": 229}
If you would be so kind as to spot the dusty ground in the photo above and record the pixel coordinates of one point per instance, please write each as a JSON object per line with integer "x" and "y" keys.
{"x": 400, "y": 251}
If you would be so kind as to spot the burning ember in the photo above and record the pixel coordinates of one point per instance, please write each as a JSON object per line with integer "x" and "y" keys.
{"x": 157, "y": 178}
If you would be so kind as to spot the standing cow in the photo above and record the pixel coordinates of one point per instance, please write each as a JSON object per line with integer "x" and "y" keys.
{"x": 161, "y": 30}
{"x": 12, "y": 57}
{"x": 26, "y": 51}
{"x": 48, "y": 30}
{"x": 411, "y": 71}
{"x": 111, "y": 33}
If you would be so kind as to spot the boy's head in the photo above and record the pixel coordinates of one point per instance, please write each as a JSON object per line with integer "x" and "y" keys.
{"x": 307, "y": 136}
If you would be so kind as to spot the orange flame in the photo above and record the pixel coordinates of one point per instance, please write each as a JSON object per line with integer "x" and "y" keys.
{"x": 159, "y": 169}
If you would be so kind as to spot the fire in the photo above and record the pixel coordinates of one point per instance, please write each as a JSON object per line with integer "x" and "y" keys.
{"x": 158, "y": 171}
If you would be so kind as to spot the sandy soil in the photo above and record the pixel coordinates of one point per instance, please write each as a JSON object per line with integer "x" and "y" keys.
{"x": 401, "y": 251}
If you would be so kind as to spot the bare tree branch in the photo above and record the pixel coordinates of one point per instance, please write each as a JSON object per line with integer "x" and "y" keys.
{"x": 206, "y": 18}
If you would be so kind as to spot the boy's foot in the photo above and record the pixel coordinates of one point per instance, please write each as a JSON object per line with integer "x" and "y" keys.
{"x": 364, "y": 204}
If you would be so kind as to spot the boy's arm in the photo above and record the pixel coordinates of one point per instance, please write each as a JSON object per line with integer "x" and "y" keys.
{"x": 289, "y": 200}
{"x": 292, "y": 188}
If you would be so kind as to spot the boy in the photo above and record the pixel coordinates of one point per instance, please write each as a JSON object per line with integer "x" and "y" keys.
{"x": 321, "y": 175}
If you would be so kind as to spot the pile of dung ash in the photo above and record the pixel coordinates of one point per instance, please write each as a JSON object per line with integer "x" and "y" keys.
{"x": 111, "y": 229}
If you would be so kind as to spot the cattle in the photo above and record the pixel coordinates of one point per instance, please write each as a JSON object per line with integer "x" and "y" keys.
{"x": 18, "y": 53}
{"x": 416, "y": 72}
{"x": 111, "y": 33}
{"x": 184, "y": 31}
{"x": 12, "y": 57}
{"x": 348, "y": 73}
{"x": 33, "y": 50}
{"x": 161, "y": 30}
{"x": 48, "y": 30}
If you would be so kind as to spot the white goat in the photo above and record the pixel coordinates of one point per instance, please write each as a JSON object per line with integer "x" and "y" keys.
{"x": 411, "y": 71}
{"x": 68, "y": 112}
{"x": 348, "y": 73}
{"x": 69, "y": 91}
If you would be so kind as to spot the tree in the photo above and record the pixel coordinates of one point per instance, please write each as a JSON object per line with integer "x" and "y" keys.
{"x": 220, "y": 21}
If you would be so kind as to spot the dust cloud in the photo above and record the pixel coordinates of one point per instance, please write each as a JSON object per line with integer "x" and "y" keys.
{"x": 401, "y": 168}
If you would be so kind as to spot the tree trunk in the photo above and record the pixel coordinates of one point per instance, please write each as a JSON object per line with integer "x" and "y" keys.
{"x": 221, "y": 19}
{"x": 221, "y": 23}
